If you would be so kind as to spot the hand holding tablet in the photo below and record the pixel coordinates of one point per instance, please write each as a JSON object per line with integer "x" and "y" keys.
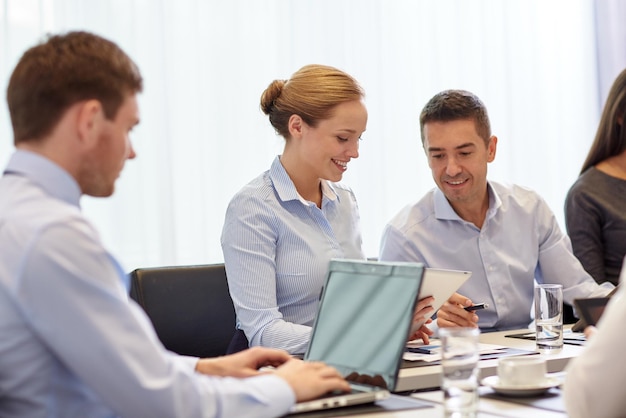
{"x": 441, "y": 284}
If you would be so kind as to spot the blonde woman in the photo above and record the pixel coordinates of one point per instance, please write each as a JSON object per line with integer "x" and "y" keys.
{"x": 283, "y": 227}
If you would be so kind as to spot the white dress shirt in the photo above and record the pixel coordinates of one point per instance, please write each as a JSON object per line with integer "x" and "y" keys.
{"x": 72, "y": 344}
{"x": 595, "y": 380}
{"x": 519, "y": 242}
{"x": 277, "y": 247}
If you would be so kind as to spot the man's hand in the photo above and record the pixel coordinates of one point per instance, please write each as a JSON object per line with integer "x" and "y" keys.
{"x": 424, "y": 333}
{"x": 453, "y": 314}
{"x": 421, "y": 317}
{"x": 310, "y": 380}
{"x": 244, "y": 363}
{"x": 590, "y": 331}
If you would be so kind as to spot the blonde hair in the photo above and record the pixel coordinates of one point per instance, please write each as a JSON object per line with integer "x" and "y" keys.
{"x": 312, "y": 92}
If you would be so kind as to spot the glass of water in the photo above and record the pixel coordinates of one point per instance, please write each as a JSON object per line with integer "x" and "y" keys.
{"x": 549, "y": 318}
{"x": 459, "y": 360}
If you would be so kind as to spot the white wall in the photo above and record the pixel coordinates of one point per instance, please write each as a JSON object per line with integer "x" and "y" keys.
{"x": 205, "y": 64}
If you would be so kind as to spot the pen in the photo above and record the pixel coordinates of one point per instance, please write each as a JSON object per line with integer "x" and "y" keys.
{"x": 427, "y": 349}
{"x": 477, "y": 307}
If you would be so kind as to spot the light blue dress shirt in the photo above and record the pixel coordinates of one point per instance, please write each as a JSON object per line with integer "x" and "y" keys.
{"x": 520, "y": 241}
{"x": 72, "y": 344}
{"x": 277, "y": 247}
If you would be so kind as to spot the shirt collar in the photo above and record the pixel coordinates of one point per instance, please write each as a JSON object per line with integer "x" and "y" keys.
{"x": 286, "y": 190}
{"x": 443, "y": 209}
{"x": 49, "y": 176}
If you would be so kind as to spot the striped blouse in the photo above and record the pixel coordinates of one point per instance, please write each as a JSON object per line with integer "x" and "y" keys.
{"x": 276, "y": 249}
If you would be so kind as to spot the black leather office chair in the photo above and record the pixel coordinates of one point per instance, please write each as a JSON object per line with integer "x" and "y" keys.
{"x": 189, "y": 306}
{"x": 568, "y": 314}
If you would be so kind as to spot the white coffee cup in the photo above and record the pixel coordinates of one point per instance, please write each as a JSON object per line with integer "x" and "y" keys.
{"x": 521, "y": 371}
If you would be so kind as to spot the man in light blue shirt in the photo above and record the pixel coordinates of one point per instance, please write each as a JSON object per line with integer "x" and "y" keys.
{"x": 506, "y": 235}
{"x": 72, "y": 344}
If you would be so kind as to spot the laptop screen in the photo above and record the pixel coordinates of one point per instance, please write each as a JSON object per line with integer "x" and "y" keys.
{"x": 364, "y": 318}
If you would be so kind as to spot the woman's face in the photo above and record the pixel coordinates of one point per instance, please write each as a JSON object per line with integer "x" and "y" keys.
{"x": 327, "y": 148}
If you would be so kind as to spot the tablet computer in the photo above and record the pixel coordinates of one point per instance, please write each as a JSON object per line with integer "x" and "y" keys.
{"x": 441, "y": 284}
{"x": 590, "y": 310}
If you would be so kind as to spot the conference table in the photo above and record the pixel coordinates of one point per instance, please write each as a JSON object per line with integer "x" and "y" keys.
{"x": 421, "y": 396}
{"x": 430, "y": 405}
{"x": 429, "y": 377}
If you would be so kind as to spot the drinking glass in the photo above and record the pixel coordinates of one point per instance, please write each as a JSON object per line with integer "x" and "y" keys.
{"x": 549, "y": 318}
{"x": 459, "y": 360}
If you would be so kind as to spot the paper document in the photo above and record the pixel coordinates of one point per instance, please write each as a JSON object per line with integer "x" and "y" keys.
{"x": 418, "y": 351}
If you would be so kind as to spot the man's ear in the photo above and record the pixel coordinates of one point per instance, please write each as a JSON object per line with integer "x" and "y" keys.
{"x": 296, "y": 126}
{"x": 491, "y": 148}
{"x": 89, "y": 122}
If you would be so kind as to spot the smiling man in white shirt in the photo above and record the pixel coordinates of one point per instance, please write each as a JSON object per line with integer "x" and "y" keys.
{"x": 506, "y": 235}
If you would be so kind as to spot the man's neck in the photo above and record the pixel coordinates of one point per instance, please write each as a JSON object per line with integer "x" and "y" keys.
{"x": 474, "y": 212}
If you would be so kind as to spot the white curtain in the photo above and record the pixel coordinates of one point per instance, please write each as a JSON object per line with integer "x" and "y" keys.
{"x": 610, "y": 16}
{"x": 205, "y": 63}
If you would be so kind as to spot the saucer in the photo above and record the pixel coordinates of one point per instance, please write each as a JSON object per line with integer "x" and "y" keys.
{"x": 531, "y": 390}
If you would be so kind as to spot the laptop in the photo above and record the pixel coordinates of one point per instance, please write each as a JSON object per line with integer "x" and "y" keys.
{"x": 361, "y": 328}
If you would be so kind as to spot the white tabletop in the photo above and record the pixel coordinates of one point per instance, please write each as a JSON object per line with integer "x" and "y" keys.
{"x": 429, "y": 377}
{"x": 491, "y": 407}
{"x": 487, "y": 408}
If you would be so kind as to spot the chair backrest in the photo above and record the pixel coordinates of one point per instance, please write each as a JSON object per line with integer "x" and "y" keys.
{"x": 189, "y": 306}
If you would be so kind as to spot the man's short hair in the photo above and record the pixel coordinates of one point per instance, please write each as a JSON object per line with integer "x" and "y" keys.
{"x": 62, "y": 71}
{"x": 451, "y": 105}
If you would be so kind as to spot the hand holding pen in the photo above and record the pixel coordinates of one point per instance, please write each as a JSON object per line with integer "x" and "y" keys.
{"x": 477, "y": 307}
{"x": 434, "y": 349}
{"x": 458, "y": 311}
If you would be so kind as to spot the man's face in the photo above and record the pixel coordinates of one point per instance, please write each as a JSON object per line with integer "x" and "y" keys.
{"x": 104, "y": 165}
{"x": 458, "y": 159}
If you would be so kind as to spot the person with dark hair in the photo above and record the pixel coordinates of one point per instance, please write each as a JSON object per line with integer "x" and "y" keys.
{"x": 282, "y": 228}
{"x": 72, "y": 343}
{"x": 506, "y": 235}
{"x": 594, "y": 207}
